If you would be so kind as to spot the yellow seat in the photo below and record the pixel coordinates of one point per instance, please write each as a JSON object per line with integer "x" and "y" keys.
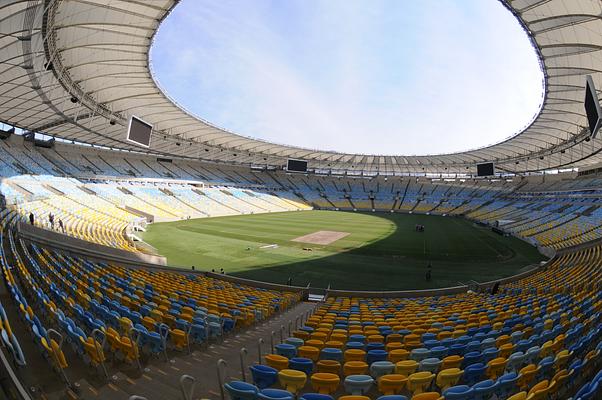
{"x": 546, "y": 349}
{"x": 451, "y": 362}
{"x": 518, "y": 396}
{"x": 539, "y": 391}
{"x": 448, "y": 377}
{"x": 179, "y": 338}
{"x": 125, "y": 324}
{"x": 397, "y": 355}
{"x": 319, "y": 344}
{"x": 418, "y": 382}
{"x": 311, "y": 352}
{"x": 301, "y": 335}
{"x": 292, "y": 380}
{"x": 94, "y": 350}
{"x": 355, "y": 368}
{"x": 376, "y": 339}
{"x": 325, "y": 383}
{"x": 427, "y": 396}
{"x": 561, "y": 360}
{"x": 406, "y": 367}
{"x": 149, "y": 323}
{"x": 330, "y": 366}
{"x": 354, "y": 355}
{"x": 276, "y": 361}
{"x": 526, "y": 376}
{"x": 496, "y": 367}
{"x": 391, "y": 383}
{"x": 558, "y": 384}
{"x": 506, "y": 349}
{"x": 393, "y": 346}
{"x": 334, "y": 344}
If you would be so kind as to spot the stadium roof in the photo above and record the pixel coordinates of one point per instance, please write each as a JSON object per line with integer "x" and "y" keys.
{"x": 79, "y": 69}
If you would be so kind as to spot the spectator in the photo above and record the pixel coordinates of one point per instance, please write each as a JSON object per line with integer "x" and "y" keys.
{"x": 31, "y": 218}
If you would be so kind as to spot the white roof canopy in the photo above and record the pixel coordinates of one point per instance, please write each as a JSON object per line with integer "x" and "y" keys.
{"x": 79, "y": 69}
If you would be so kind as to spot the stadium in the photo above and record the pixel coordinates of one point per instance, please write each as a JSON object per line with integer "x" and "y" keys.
{"x": 149, "y": 254}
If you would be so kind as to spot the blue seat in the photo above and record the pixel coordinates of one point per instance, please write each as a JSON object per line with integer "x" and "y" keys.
{"x": 358, "y": 384}
{"x": 316, "y": 396}
{"x": 474, "y": 345}
{"x": 275, "y": 394}
{"x": 489, "y": 354}
{"x": 354, "y": 345}
{"x": 239, "y": 390}
{"x": 419, "y": 354}
{"x": 376, "y": 355}
{"x": 297, "y": 342}
{"x": 430, "y": 364}
{"x": 439, "y": 352}
{"x": 229, "y": 324}
{"x": 286, "y": 350}
{"x": 329, "y": 353}
{"x": 357, "y": 338}
{"x": 515, "y": 362}
{"x": 545, "y": 368}
{"x": 506, "y": 385}
{"x": 263, "y": 376}
{"x": 474, "y": 373}
{"x": 457, "y": 349}
{"x": 392, "y": 397}
{"x": 460, "y": 392}
{"x": 198, "y": 333}
{"x": 588, "y": 391}
{"x": 472, "y": 357}
{"x": 484, "y": 390}
{"x": 301, "y": 364}
{"x": 380, "y": 368}
{"x": 375, "y": 346}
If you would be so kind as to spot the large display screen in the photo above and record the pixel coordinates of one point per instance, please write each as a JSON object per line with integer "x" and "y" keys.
{"x": 485, "y": 169}
{"x": 296, "y": 165}
{"x": 139, "y": 132}
{"x": 592, "y": 106}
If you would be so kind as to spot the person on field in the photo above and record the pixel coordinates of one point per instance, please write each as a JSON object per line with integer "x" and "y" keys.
{"x": 31, "y": 218}
{"x": 61, "y": 226}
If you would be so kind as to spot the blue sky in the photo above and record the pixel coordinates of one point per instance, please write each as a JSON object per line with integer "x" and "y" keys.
{"x": 362, "y": 76}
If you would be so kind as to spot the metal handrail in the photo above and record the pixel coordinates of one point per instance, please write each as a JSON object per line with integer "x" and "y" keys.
{"x": 260, "y": 341}
{"x": 221, "y": 372}
{"x": 55, "y": 356}
{"x": 187, "y": 394}
{"x": 243, "y": 355}
{"x": 136, "y": 343}
{"x": 100, "y": 355}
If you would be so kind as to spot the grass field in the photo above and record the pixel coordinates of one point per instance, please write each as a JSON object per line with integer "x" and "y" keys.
{"x": 382, "y": 251}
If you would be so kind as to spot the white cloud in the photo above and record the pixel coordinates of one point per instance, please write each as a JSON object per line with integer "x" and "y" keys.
{"x": 381, "y": 77}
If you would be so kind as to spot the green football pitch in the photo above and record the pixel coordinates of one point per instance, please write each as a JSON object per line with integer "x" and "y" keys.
{"x": 382, "y": 251}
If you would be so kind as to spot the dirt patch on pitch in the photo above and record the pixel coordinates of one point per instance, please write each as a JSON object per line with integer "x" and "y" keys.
{"x": 321, "y": 237}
